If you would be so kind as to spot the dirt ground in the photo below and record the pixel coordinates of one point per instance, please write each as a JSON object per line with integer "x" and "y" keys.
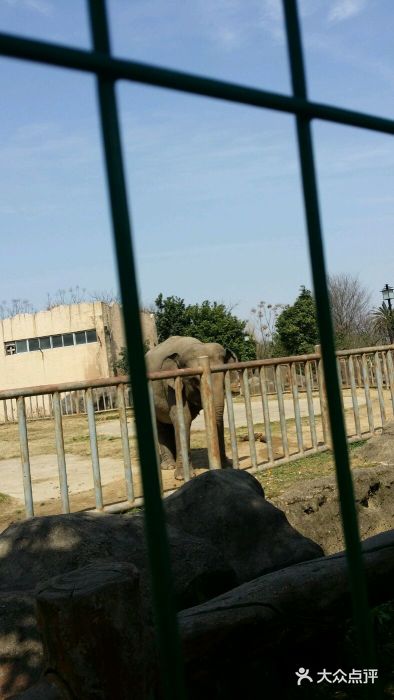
{"x": 44, "y": 470}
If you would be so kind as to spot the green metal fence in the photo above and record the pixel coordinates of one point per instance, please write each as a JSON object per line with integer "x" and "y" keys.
{"x": 108, "y": 70}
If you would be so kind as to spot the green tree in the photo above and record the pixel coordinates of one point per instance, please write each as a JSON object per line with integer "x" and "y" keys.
{"x": 384, "y": 323}
{"x": 296, "y": 326}
{"x": 210, "y": 322}
{"x": 171, "y": 317}
{"x": 121, "y": 366}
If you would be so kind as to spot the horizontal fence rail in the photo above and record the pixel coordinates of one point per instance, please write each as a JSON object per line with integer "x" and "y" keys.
{"x": 276, "y": 412}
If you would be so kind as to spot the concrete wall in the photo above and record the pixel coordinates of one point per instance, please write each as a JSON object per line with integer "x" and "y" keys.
{"x": 65, "y": 364}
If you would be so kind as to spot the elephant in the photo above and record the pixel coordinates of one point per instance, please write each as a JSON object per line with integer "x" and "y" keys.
{"x": 178, "y": 352}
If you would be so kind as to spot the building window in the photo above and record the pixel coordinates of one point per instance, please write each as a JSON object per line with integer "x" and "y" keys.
{"x": 34, "y": 344}
{"x": 91, "y": 336}
{"x": 47, "y": 342}
{"x": 80, "y": 338}
{"x": 21, "y": 346}
{"x": 57, "y": 341}
{"x": 68, "y": 339}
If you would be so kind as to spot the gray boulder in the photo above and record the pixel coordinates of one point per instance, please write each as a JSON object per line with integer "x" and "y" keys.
{"x": 254, "y": 637}
{"x": 35, "y": 550}
{"x": 228, "y": 509}
{"x": 221, "y": 529}
{"x": 97, "y": 636}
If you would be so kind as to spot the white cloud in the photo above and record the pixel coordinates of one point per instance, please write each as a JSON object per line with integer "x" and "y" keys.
{"x": 344, "y": 9}
{"x": 42, "y": 7}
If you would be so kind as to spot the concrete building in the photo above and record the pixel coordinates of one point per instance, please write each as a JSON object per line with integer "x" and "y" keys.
{"x": 65, "y": 344}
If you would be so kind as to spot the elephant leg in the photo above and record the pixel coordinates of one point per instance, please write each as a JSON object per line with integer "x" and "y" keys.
{"x": 167, "y": 449}
{"x": 179, "y": 473}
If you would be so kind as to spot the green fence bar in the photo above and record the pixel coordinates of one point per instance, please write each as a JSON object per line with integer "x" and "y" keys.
{"x": 120, "y": 69}
{"x": 345, "y": 485}
{"x": 159, "y": 557}
{"x": 108, "y": 69}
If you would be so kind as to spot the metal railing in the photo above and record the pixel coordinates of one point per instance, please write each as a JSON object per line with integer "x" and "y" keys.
{"x": 108, "y": 70}
{"x": 290, "y": 401}
{"x": 72, "y": 402}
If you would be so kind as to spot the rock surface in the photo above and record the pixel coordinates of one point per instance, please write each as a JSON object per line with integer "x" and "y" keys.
{"x": 313, "y": 508}
{"x": 379, "y": 449}
{"x": 97, "y": 636}
{"x": 33, "y": 551}
{"x": 228, "y": 509}
{"x": 264, "y": 626}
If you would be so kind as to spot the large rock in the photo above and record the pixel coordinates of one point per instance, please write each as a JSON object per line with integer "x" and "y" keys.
{"x": 221, "y": 529}
{"x": 313, "y": 506}
{"x": 228, "y": 509}
{"x": 97, "y": 637}
{"x": 249, "y": 641}
{"x": 35, "y": 550}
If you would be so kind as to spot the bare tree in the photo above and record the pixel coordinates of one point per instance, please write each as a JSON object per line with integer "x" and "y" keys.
{"x": 78, "y": 295}
{"x": 262, "y": 327}
{"x": 107, "y": 297}
{"x": 8, "y": 309}
{"x": 351, "y": 311}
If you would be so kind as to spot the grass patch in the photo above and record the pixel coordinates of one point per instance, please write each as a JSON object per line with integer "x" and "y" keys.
{"x": 278, "y": 479}
{"x": 4, "y": 498}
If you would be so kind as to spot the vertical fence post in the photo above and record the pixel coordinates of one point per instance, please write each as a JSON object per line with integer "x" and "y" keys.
{"x": 209, "y": 413}
{"x": 367, "y": 394}
{"x": 282, "y": 414}
{"x": 249, "y": 418}
{"x": 169, "y": 649}
{"x": 21, "y": 410}
{"x": 183, "y": 441}
{"x": 94, "y": 450}
{"x": 353, "y": 388}
{"x": 325, "y": 419}
{"x": 124, "y": 434}
{"x": 296, "y": 405}
{"x": 385, "y": 370}
{"x": 316, "y": 250}
{"x": 379, "y": 386}
{"x": 311, "y": 410}
{"x": 266, "y": 414}
{"x": 61, "y": 460}
{"x": 390, "y": 370}
{"x": 359, "y": 379}
{"x": 231, "y": 420}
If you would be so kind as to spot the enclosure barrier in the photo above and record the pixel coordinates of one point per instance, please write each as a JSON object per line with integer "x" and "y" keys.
{"x": 295, "y": 410}
{"x": 108, "y": 70}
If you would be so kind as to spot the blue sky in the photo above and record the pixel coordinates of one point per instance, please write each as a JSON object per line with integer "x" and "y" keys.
{"x": 214, "y": 188}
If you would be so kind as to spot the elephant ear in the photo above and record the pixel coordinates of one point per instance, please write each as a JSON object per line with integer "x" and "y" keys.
{"x": 230, "y": 356}
{"x": 172, "y": 362}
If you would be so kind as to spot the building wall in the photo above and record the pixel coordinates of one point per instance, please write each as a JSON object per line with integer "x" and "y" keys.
{"x": 65, "y": 364}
